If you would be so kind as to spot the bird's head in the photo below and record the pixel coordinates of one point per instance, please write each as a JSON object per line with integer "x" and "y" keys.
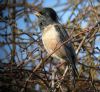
{"x": 46, "y": 16}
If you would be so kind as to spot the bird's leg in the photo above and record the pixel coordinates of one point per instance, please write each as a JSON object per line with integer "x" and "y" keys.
{"x": 54, "y": 70}
{"x": 65, "y": 71}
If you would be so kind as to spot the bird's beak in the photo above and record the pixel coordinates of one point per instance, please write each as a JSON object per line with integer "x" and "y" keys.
{"x": 37, "y": 14}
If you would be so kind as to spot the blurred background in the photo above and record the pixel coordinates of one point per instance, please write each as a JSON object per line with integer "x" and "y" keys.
{"x": 25, "y": 65}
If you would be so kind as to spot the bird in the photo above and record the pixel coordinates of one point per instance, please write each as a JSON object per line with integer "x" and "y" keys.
{"x": 54, "y": 35}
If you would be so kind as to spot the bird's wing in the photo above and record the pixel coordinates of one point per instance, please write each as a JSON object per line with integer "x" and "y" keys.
{"x": 71, "y": 55}
{"x": 64, "y": 37}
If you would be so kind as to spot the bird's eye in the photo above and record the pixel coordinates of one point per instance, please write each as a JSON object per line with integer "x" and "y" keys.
{"x": 42, "y": 12}
{"x": 41, "y": 23}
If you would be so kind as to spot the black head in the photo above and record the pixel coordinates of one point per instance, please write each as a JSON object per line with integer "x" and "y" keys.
{"x": 47, "y": 16}
{"x": 49, "y": 12}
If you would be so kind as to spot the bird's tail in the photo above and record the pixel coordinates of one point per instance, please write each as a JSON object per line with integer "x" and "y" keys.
{"x": 75, "y": 74}
{"x": 74, "y": 70}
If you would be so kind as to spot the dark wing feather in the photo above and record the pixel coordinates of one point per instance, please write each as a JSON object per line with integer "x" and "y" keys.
{"x": 71, "y": 56}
